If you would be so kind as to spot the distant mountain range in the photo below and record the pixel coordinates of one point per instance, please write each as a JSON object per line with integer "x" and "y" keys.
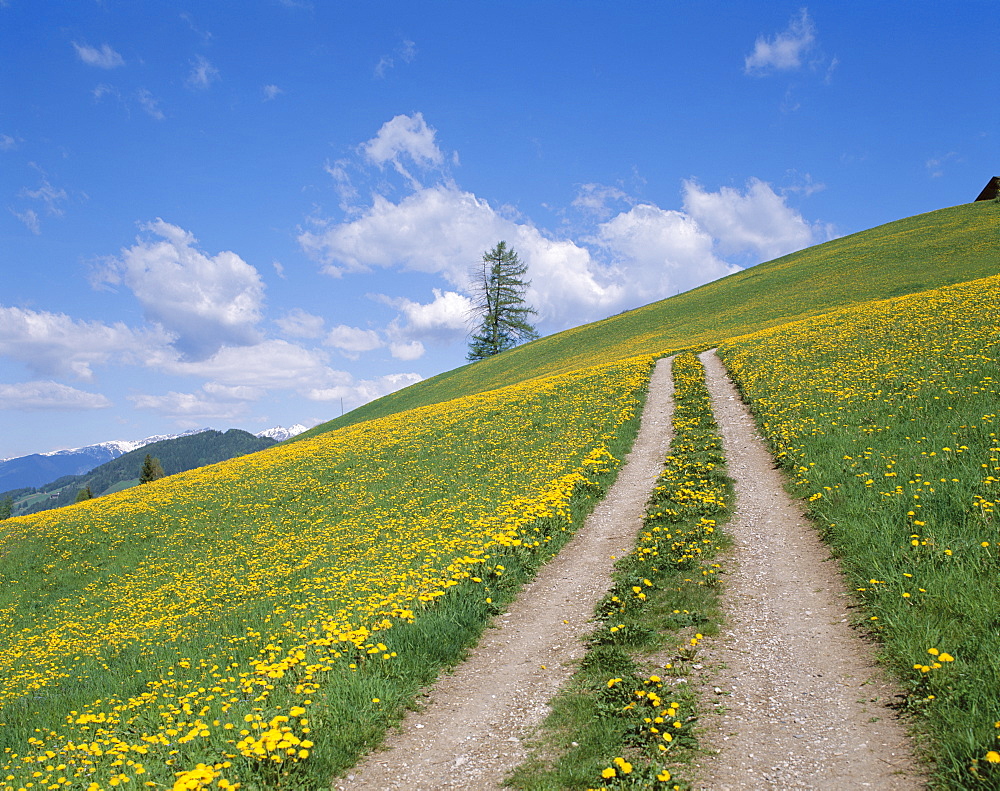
{"x": 280, "y": 433}
{"x": 38, "y": 469}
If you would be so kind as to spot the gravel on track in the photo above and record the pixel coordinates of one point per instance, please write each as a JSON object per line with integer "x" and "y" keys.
{"x": 470, "y": 733}
{"x": 801, "y": 703}
{"x": 794, "y": 698}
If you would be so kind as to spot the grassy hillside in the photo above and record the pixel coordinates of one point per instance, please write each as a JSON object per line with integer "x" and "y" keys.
{"x": 885, "y": 416}
{"x": 926, "y": 251}
{"x": 224, "y": 615}
{"x": 261, "y": 621}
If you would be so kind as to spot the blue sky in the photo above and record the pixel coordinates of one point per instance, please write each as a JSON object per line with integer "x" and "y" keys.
{"x": 242, "y": 214}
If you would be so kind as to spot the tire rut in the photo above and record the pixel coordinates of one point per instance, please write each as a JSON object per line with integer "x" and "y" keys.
{"x": 802, "y": 704}
{"x": 470, "y": 734}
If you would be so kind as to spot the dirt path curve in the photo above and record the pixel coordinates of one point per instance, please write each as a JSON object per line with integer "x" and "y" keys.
{"x": 802, "y": 705}
{"x": 470, "y": 733}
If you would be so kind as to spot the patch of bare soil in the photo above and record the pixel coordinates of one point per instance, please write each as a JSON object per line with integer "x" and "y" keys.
{"x": 470, "y": 733}
{"x": 800, "y": 703}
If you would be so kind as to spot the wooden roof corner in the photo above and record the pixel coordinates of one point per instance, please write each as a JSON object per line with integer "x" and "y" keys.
{"x": 991, "y": 189}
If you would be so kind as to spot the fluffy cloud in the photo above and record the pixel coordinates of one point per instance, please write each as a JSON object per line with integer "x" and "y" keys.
{"x": 299, "y": 324}
{"x": 784, "y": 52}
{"x": 49, "y": 396}
{"x": 206, "y": 301}
{"x": 568, "y": 286}
{"x": 443, "y": 319}
{"x": 55, "y": 344}
{"x": 191, "y": 409}
{"x": 351, "y": 341}
{"x": 413, "y": 350}
{"x": 271, "y": 364}
{"x": 444, "y": 230}
{"x": 405, "y": 136}
{"x": 757, "y": 222}
{"x": 356, "y": 393}
{"x": 103, "y": 58}
{"x": 660, "y": 252}
{"x": 438, "y": 229}
{"x": 635, "y": 253}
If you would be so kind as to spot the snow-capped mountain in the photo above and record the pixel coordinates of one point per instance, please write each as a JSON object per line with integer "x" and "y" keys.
{"x": 119, "y": 447}
{"x": 38, "y": 469}
{"x": 280, "y": 433}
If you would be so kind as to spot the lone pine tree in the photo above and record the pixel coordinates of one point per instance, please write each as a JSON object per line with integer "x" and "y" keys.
{"x": 499, "y": 304}
{"x": 151, "y": 470}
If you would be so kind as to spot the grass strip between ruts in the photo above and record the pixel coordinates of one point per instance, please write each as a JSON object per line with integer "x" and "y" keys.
{"x": 617, "y": 725}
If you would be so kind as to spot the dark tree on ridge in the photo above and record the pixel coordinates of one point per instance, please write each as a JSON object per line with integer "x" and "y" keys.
{"x": 499, "y": 306}
{"x": 151, "y": 470}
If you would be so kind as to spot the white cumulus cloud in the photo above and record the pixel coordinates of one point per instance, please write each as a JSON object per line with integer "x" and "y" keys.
{"x": 360, "y": 392}
{"x": 207, "y": 301}
{"x": 445, "y": 318}
{"x": 49, "y": 395}
{"x": 783, "y": 52}
{"x": 351, "y": 341}
{"x": 103, "y": 58}
{"x": 297, "y": 323}
{"x": 633, "y": 252}
{"x": 756, "y": 222}
{"x": 659, "y": 252}
{"x": 56, "y": 344}
{"x": 445, "y": 230}
{"x": 413, "y": 350}
{"x": 404, "y": 137}
{"x": 271, "y": 365}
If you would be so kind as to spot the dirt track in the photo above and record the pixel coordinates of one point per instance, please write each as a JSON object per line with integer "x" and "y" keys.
{"x": 801, "y": 704}
{"x": 470, "y": 733}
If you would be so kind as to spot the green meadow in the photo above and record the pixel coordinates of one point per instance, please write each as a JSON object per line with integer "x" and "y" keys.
{"x": 259, "y": 623}
{"x": 929, "y": 250}
{"x": 885, "y": 416}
